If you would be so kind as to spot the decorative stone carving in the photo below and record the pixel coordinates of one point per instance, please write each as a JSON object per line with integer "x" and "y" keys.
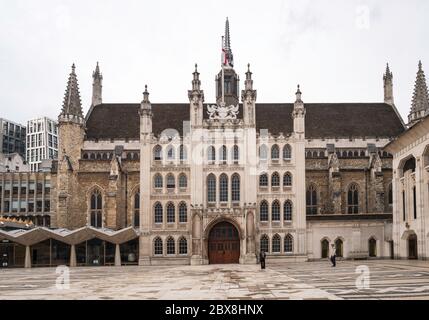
{"x": 223, "y": 112}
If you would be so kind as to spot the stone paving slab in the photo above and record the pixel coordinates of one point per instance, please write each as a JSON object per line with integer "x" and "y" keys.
{"x": 297, "y": 281}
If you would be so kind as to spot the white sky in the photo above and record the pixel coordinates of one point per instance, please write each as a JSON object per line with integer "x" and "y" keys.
{"x": 337, "y": 51}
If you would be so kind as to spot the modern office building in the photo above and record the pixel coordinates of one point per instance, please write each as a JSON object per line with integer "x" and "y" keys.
{"x": 12, "y": 137}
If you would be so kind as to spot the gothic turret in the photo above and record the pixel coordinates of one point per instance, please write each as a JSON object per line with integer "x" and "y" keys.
{"x": 146, "y": 114}
{"x": 196, "y": 99}
{"x": 72, "y": 105}
{"x": 248, "y": 97}
{"x": 388, "y": 86}
{"x": 97, "y": 86}
{"x": 298, "y": 114}
{"x": 420, "y": 102}
{"x": 227, "y": 92}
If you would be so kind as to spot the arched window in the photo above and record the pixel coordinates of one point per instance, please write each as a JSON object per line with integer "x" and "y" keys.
{"x": 171, "y": 154}
{"x": 390, "y": 195}
{"x": 311, "y": 199}
{"x": 372, "y": 247}
{"x": 287, "y": 179}
{"x": 353, "y": 199}
{"x": 183, "y": 153}
{"x": 236, "y": 153}
{"x": 171, "y": 181}
{"x": 263, "y": 152}
{"x": 158, "y": 213}
{"x": 171, "y": 246}
{"x": 339, "y": 247}
{"x": 275, "y": 152}
{"x": 158, "y": 183}
{"x": 223, "y": 188}
{"x": 183, "y": 181}
{"x": 288, "y": 210}
{"x": 276, "y": 244}
{"x": 287, "y": 152}
{"x": 137, "y": 210}
{"x": 211, "y": 188}
{"x": 263, "y": 180}
{"x": 275, "y": 180}
{"x": 171, "y": 213}
{"x": 211, "y": 154}
{"x": 96, "y": 212}
{"x": 183, "y": 213}
{"x": 223, "y": 154}
{"x": 157, "y": 244}
{"x": 157, "y": 153}
{"x": 235, "y": 186}
{"x": 325, "y": 248}
{"x": 183, "y": 246}
{"x": 275, "y": 211}
{"x": 264, "y": 243}
{"x": 288, "y": 244}
{"x": 263, "y": 211}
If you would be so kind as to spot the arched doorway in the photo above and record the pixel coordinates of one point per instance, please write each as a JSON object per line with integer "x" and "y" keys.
{"x": 339, "y": 247}
{"x": 412, "y": 246}
{"x": 224, "y": 244}
{"x": 325, "y": 248}
{"x": 372, "y": 247}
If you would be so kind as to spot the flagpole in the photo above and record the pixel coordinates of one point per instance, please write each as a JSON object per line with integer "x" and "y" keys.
{"x": 223, "y": 70}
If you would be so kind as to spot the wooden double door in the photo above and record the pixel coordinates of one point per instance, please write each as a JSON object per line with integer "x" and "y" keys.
{"x": 224, "y": 244}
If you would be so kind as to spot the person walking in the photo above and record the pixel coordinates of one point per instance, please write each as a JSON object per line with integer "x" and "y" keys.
{"x": 333, "y": 255}
{"x": 262, "y": 257}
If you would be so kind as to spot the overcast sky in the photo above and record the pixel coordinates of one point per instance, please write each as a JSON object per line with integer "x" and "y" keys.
{"x": 337, "y": 50}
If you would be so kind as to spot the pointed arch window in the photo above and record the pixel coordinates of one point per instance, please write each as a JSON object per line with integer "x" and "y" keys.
{"x": 288, "y": 245}
{"x": 183, "y": 246}
{"x": 223, "y": 188}
{"x": 137, "y": 210}
{"x": 211, "y": 154}
{"x": 158, "y": 213}
{"x": 311, "y": 198}
{"x": 275, "y": 211}
{"x": 353, "y": 199}
{"x": 211, "y": 188}
{"x": 183, "y": 181}
{"x": 158, "y": 247}
{"x": 390, "y": 195}
{"x": 158, "y": 183}
{"x": 171, "y": 213}
{"x": 264, "y": 243}
{"x": 276, "y": 244}
{"x": 275, "y": 180}
{"x": 275, "y": 152}
{"x": 263, "y": 180}
{"x": 157, "y": 153}
{"x": 263, "y": 211}
{"x": 263, "y": 152}
{"x": 287, "y": 152}
{"x": 235, "y": 186}
{"x": 183, "y": 213}
{"x": 183, "y": 153}
{"x": 236, "y": 154}
{"x": 287, "y": 179}
{"x": 223, "y": 154}
{"x": 171, "y": 153}
{"x": 288, "y": 210}
{"x": 171, "y": 181}
{"x": 96, "y": 213}
{"x": 171, "y": 246}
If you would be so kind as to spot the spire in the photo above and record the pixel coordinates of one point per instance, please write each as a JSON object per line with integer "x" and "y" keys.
{"x": 227, "y": 56}
{"x": 388, "y": 86}
{"x": 420, "y": 102}
{"x": 97, "y": 86}
{"x": 227, "y": 36}
{"x": 196, "y": 83}
{"x": 72, "y": 106}
{"x": 298, "y": 95}
{"x": 146, "y": 96}
{"x": 249, "y": 82}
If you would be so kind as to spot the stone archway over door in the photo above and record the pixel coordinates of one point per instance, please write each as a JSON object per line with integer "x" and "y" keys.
{"x": 224, "y": 244}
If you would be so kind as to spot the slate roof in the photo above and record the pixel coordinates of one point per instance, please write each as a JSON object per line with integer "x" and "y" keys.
{"x": 323, "y": 120}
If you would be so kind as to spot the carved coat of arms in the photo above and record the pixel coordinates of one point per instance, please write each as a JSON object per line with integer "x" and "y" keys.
{"x": 223, "y": 112}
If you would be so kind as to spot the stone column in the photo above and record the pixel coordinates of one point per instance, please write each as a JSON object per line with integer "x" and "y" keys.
{"x": 73, "y": 262}
{"x": 335, "y": 192}
{"x": 118, "y": 262}
{"x": 197, "y": 258}
{"x": 27, "y": 257}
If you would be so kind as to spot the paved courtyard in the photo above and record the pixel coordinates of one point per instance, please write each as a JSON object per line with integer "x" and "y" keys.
{"x": 312, "y": 280}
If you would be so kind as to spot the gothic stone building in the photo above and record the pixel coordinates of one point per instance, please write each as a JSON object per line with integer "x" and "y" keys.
{"x": 200, "y": 183}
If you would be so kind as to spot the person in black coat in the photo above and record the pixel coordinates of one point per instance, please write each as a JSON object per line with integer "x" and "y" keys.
{"x": 262, "y": 257}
